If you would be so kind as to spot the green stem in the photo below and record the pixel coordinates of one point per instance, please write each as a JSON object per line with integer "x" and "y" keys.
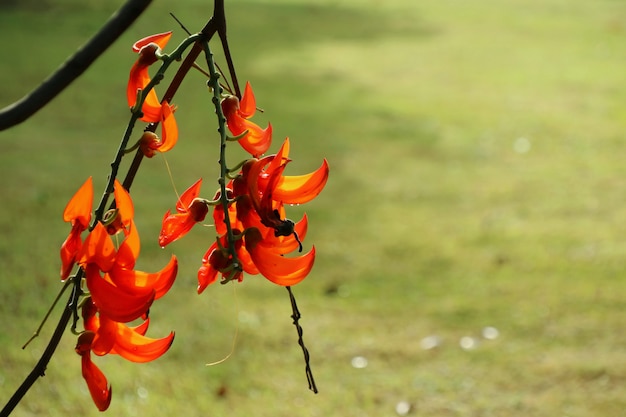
{"x": 221, "y": 120}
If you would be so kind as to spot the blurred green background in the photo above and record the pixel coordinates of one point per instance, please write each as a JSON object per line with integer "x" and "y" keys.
{"x": 470, "y": 239}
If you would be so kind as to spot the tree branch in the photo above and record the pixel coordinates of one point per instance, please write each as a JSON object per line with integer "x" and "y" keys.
{"x": 72, "y": 68}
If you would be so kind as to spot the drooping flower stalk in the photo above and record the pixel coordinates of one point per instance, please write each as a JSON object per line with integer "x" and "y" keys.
{"x": 221, "y": 128}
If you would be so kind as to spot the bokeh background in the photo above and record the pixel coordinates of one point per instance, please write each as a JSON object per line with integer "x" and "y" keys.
{"x": 470, "y": 240}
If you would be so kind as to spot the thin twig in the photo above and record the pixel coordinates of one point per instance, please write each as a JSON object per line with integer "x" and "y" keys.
{"x": 296, "y": 322}
{"x": 71, "y": 69}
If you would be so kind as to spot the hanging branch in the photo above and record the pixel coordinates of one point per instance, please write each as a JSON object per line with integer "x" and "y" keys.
{"x": 72, "y": 68}
{"x": 8, "y": 119}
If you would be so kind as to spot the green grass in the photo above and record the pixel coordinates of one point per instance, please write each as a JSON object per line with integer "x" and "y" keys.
{"x": 431, "y": 224}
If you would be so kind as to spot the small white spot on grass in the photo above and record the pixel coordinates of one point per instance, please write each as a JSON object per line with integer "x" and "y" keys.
{"x": 359, "y": 362}
{"x": 521, "y": 145}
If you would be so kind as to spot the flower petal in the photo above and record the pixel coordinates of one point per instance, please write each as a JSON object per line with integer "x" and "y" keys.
{"x": 129, "y": 249}
{"x": 247, "y": 105}
{"x": 69, "y": 250}
{"x": 277, "y": 268}
{"x": 98, "y": 249}
{"x": 113, "y": 301}
{"x": 300, "y": 189}
{"x": 138, "y": 80}
{"x": 185, "y": 199}
{"x": 174, "y": 226}
{"x": 105, "y": 336}
{"x": 78, "y": 209}
{"x": 169, "y": 128}
{"x": 133, "y": 281}
{"x": 160, "y": 39}
{"x": 97, "y": 383}
{"x": 135, "y": 347}
{"x": 257, "y": 141}
{"x": 124, "y": 203}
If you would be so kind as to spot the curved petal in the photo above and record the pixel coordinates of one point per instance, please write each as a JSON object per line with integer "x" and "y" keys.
{"x": 138, "y": 80}
{"x": 142, "y": 328}
{"x": 124, "y": 203}
{"x": 88, "y": 312}
{"x": 207, "y": 275}
{"x": 98, "y": 249}
{"x": 281, "y": 158}
{"x": 113, "y": 301}
{"x": 138, "y": 281}
{"x": 135, "y": 347}
{"x": 128, "y": 251}
{"x": 257, "y": 141}
{"x": 160, "y": 39}
{"x": 211, "y": 262}
{"x": 301, "y": 188}
{"x": 97, "y": 383}
{"x": 169, "y": 128}
{"x": 185, "y": 199}
{"x": 247, "y": 106}
{"x": 105, "y": 336}
{"x": 99, "y": 388}
{"x": 279, "y": 269}
{"x": 69, "y": 250}
{"x": 174, "y": 226}
{"x": 78, "y": 209}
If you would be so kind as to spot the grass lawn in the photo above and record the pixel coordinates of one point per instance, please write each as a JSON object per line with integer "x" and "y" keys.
{"x": 477, "y": 183}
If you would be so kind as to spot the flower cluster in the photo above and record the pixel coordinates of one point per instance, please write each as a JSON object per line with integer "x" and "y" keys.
{"x": 118, "y": 293}
{"x": 254, "y": 235}
{"x": 152, "y": 110}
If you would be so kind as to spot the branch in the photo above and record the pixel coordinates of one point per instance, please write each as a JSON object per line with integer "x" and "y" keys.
{"x": 72, "y": 68}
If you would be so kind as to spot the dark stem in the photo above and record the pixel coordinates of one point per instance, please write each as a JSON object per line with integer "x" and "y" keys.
{"x": 75, "y": 65}
{"x": 296, "y": 322}
{"x": 40, "y": 368}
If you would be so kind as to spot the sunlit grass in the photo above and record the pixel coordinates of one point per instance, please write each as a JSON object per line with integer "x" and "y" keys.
{"x": 476, "y": 180}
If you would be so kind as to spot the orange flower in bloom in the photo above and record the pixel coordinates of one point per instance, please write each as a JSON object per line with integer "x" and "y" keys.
{"x": 149, "y": 49}
{"x": 217, "y": 260}
{"x": 117, "y": 338}
{"x": 150, "y": 142}
{"x": 121, "y": 293}
{"x": 189, "y": 212}
{"x": 78, "y": 214}
{"x": 276, "y": 267}
{"x": 269, "y": 189}
{"x": 256, "y": 141}
{"x": 99, "y": 388}
{"x": 260, "y": 191}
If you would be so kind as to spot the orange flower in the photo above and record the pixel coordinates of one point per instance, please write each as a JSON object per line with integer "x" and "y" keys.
{"x": 78, "y": 214}
{"x": 119, "y": 291}
{"x": 99, "y": 388}
{"x": 269, "y": 189}
{"x": 117, "y": 338}
{"x": 256, "y": 141}
{"x": 190, "y": 211}
{"x": 276, "y": 267}
{"x": 217, "y": 260}
{"x": 150, "y": 142}
{"x": 149, "y": 49}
